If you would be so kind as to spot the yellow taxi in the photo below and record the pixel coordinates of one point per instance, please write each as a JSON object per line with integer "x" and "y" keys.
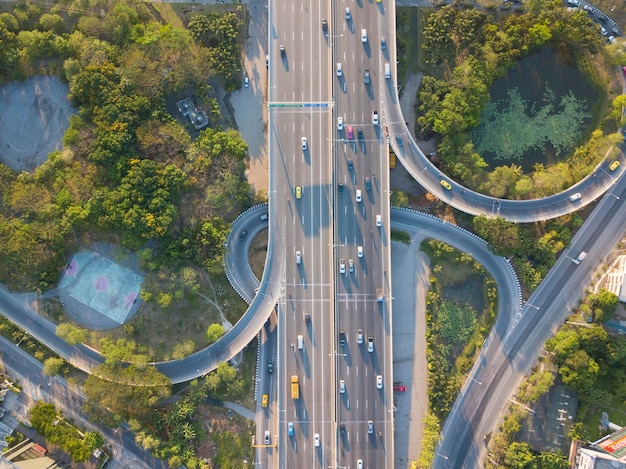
{"x": 614, "y": 165}
{"x": 378, "y": 1}
{"x": 446, "y": 184}
{"x": 264, "y": 400}
{"x": 298, "y": 192}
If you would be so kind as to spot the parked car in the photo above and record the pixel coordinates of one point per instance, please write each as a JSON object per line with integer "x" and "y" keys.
{"x": 614, "y": 165}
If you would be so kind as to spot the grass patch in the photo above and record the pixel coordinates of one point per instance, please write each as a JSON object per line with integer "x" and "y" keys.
{"x": 258, "y": 253}
{"x": 247, "y": 372}
{"x": 615, "y": 407}
{"x": 400, "y": 236}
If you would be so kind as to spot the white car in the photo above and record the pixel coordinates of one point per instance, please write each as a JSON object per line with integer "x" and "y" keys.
{"x": 379, "y": 381}
{"x": 298, "y": 257}
{"x": 316, "y": 439}
{"x": 359, "y": 251}
{"x": 339, "y": 69}
{"x": 340, "y": 123}
{"x": 375, "y": 118}
{"x": 342, "y": 386}
{"x": 359, "y": 464}
{"x": 379, "y": 220}
{"x": 246, "y": 80}
{"x": 370, "y": 427}
{"x": 359, "y": 336}
{"x": 342, "y": 266}
{"x": 575, "y": 197}
{"x": 304, "y": 143}
{"x": 363, "y": 35}
{"x": 359, "y": 197}
{"x": 266, "y": 438}
{"x": 370, "y": 344}
{"x": 348, "y": 15}
{"x": 350, "y": 265}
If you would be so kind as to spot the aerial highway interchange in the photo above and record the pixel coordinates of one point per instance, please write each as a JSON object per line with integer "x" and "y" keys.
{"x": 328, "y": 263}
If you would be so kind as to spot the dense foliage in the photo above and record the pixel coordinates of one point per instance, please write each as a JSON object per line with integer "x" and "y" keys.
{"x": 472, "y": 49}
{"x": 129, "y": 171}
{"x": 48, "y": 423}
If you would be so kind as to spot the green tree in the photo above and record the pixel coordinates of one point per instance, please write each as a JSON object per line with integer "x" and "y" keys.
{"x": 72, "y": 334}
{"x": 214, "y": 332}
{"x": 552, "y": 461}
{"x": 563, "y": 344}
{"x": 53, "y": 365}
{"x": 518, "y": 456}
{"x": 503, "y": 235}
{"x": 579, "y": 371}
{"x": 51, "y": 22}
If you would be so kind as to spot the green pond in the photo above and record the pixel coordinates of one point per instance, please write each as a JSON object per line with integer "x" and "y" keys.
{"x": 537, "y": 113}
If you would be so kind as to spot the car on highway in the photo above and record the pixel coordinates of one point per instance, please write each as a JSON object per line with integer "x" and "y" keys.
{"x": 267, "y": 61}
{"x": 575, "y": 197}
{"x": 375, "y": 117}
{"x": 298, "y": 192}
{"x": 359, "y": 251}
{"x": 339, "y": 69}
{"x": 340, "y": 188}
{"x": 342, "y": 266}
{"x": 379, "y": 220}
{"x": 348, "y": 14}
{"x": 290, "y": 430}
{"x": 324, "y": 25}
{"x": 243, "y": 235}
{"x": 270, "y": 367}
{"x": 378, "y": 1}
{"x": 363, "y": 35}
{"x": 359, "y": 464}
{"x": 351, "y": 265}
{"x": 342, "y": 386}
{"x": 614, "y": 165}
{"x": 366, "y": 77}
{"x": 342, "y": 429}
{"x": 383, "y": 43}
{"x": 399, "y": 388}
{"x": 282, "y": 51}
{"x": 266, "y": 438}
{"x": 359, "y": 133}
{"x": 307, "y": 317}
{"x": 298, "y": 257}
{"x": 370, "y": 344}
{"x": 350, "y": 134}
{"x": 350, "y": 164}
{"x": 264, "y": 400}
{"x": 370, "y": 427}
{"x": 368, "y": 183}
{"x": 379, "y": 381}
{"x": 316, "y": 439}
{"x": 339, "y": 123}
{"x": 305, "y": 145}
{"x": 342, "y": 338}
{"x": 359, "y": 336}
{"x": 246, "y": 80}
{"x": 359, "y": 197}
{"x": 446, "y": 184}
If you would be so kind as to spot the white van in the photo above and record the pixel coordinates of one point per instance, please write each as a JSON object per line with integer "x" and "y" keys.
{"x": 339, "y": 69}
{"x": 300, "y": 342}
{"x": 387, "y": 71}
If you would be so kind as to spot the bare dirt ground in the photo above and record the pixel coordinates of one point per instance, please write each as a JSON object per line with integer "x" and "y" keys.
{"x": 34, "y": 115}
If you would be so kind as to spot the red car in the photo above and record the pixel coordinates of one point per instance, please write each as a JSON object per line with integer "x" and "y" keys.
{"x": 399, "y": 388}
{"x": 350, "y": 133}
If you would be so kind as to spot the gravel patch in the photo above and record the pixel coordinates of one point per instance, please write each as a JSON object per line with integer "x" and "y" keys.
{"x": 34, "y": 115}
